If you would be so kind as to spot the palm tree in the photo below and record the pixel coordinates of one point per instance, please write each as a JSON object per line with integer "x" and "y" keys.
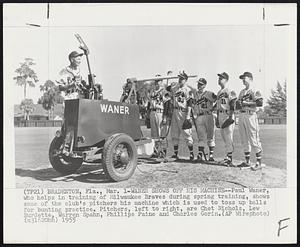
{"x": 28, "y": 107}
{"x": 50, "y": 97}
{"x": 26, "y": 75}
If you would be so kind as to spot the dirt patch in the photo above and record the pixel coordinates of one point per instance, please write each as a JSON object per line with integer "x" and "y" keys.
{"x": 159, "y": 175}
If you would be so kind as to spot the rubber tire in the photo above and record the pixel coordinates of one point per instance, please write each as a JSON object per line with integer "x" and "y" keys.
{"x": 107, "y": 159}
{"x": 73, "y": 164}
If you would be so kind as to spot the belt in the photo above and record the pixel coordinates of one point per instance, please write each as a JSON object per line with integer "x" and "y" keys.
{"x": 204, "y": 113}
{"x": 158, "y": 110}
{"x": 247, "y": 111}
{"x": 223, "y": 111}
{"x": 181, "y": 109}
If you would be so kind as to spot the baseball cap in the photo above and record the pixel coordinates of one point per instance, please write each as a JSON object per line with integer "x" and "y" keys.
{"x": 74, "y": 54}
{"x": 202, "y": 81}
{"x": 224, "y": 75}
{"x": 158, "y": 78}
{"x": 248, "y": 74}
{"x": 183, "y": 75}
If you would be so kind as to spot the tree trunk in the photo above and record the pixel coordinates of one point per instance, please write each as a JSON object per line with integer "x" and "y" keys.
{"x": 25, "y": 91}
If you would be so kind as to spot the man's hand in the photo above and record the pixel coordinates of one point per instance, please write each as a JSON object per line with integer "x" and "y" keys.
{"x": 187, "y": 124}
{"x": 217, "y": 123}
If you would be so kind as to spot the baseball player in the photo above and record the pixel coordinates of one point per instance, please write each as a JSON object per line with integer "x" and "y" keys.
{"x": 225, "y": 112}
{"x": 182, "y": 103}
{"x": 156, "y": 105}
{"x": 126, "y": 97}
{"x": 70, "y": 78}
{"x": 204, "y": 120}
{"x": 247, "y": 103}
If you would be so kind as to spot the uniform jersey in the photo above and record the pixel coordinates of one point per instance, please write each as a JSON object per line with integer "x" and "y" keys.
{"x": 224, "y": 97}
{"x": 181, "y": 96}
{"x": 249, "y": 95}
{"x": 203, "y": 102}
{"x": 157, "y": 99}
{"x": 66, "y": 77}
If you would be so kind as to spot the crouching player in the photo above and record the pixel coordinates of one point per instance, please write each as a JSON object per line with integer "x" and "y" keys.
{"x": 247, "y": 103}
{"x": 203, "y": 105}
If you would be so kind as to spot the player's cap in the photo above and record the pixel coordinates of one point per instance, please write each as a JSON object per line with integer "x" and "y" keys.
{"x": 202, "y": 81}
{"x": 74, "y": 54}
{"x": 246, "y": 74}
{"x": 169, "y": 72}
{"x": 224, "y": 75}
{"x": 158, "y": 75}
{"x": 183, "y": 76}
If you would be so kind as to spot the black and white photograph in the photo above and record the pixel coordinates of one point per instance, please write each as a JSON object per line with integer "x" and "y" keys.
{"x": 148, "y": 105}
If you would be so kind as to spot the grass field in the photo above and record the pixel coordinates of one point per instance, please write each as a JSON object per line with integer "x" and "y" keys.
{"x": 32, "y": 165}
{"x": 31, "y": 146}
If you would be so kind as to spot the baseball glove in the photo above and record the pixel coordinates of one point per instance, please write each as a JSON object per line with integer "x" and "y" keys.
{"x": 227, "y": 123}
{"x": 187, "y": 124}
{"x": 238, "y": 105}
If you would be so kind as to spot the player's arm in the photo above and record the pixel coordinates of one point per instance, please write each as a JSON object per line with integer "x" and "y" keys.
{"x": 190, "y": 101}
{"x": 232, "y": 100}
{"x": 258, "y": 99}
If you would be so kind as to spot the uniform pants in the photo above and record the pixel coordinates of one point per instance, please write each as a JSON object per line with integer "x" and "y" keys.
{"x": 249, "y": 132}
{"x": 227, "y": 133}
{"x": 155, "y": 123}
{"x": 206, "y": 130}
{"x": 178, "y": 118}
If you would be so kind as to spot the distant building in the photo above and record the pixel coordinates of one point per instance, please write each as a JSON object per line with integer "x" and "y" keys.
{"x": 39, "y": 113}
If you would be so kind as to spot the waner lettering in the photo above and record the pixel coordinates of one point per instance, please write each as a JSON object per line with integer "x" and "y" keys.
{"x": 118, "y": 109}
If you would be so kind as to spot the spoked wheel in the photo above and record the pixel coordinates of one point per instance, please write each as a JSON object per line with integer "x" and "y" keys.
{"x": 119, "y": 157}
{"x": 61, "y": 163}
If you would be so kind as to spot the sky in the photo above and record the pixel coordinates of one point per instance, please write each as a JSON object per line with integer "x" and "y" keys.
{"x": 131, "y": 48}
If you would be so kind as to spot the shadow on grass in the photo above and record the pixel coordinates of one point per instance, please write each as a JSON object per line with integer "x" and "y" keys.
{"x": 86, "y": 174}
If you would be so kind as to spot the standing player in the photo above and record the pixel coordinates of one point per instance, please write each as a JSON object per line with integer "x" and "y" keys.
{"x": 204, "y": 120}
{"x": 248, "y": 101}
{"x": 182, "y": 103}
{"x": 70, "y": 77}
{"x": 156, "y": 107}
{"x": 225, "y": 109}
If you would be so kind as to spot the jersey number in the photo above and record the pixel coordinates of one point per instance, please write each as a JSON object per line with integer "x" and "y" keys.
{"x": 223, "y": 101}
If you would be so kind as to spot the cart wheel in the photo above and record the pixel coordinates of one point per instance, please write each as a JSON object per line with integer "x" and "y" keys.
{"x": 62, "y": 164}
{"x": 119, "y": 157}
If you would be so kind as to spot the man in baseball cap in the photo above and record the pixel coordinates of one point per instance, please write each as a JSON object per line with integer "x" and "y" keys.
{"x": 224, "y": 75}
{"x": 246, "y": 74}
{"x": 70, "y": 77}
{"x": 204, "y": 120}
{"x": 74, "y": 54}
{"x": 249, "y": 101}
{"x": 225, "y": 113}
{"x": 183, "y": 76}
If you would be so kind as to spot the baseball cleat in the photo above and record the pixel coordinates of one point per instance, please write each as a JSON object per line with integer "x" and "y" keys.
{"x": 199, "y": 157}
{"x": 256, "y": 167}
{"x": 175, "y": 156}
{"x": 211, "y": 159}
{"x": 244, "y": 165}
{"x": 226, "y": 162}
{"x": 154, "y": 156}
{"x": 191, "y": 157}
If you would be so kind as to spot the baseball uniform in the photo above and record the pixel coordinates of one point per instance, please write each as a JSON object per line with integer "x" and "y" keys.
{"x": 204, "y": 120}
{"x": 156, "y": 112}
{"x": 181, "y": 99}
{"x": 225, "y": 100}
{"x": 248, "y": 123}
